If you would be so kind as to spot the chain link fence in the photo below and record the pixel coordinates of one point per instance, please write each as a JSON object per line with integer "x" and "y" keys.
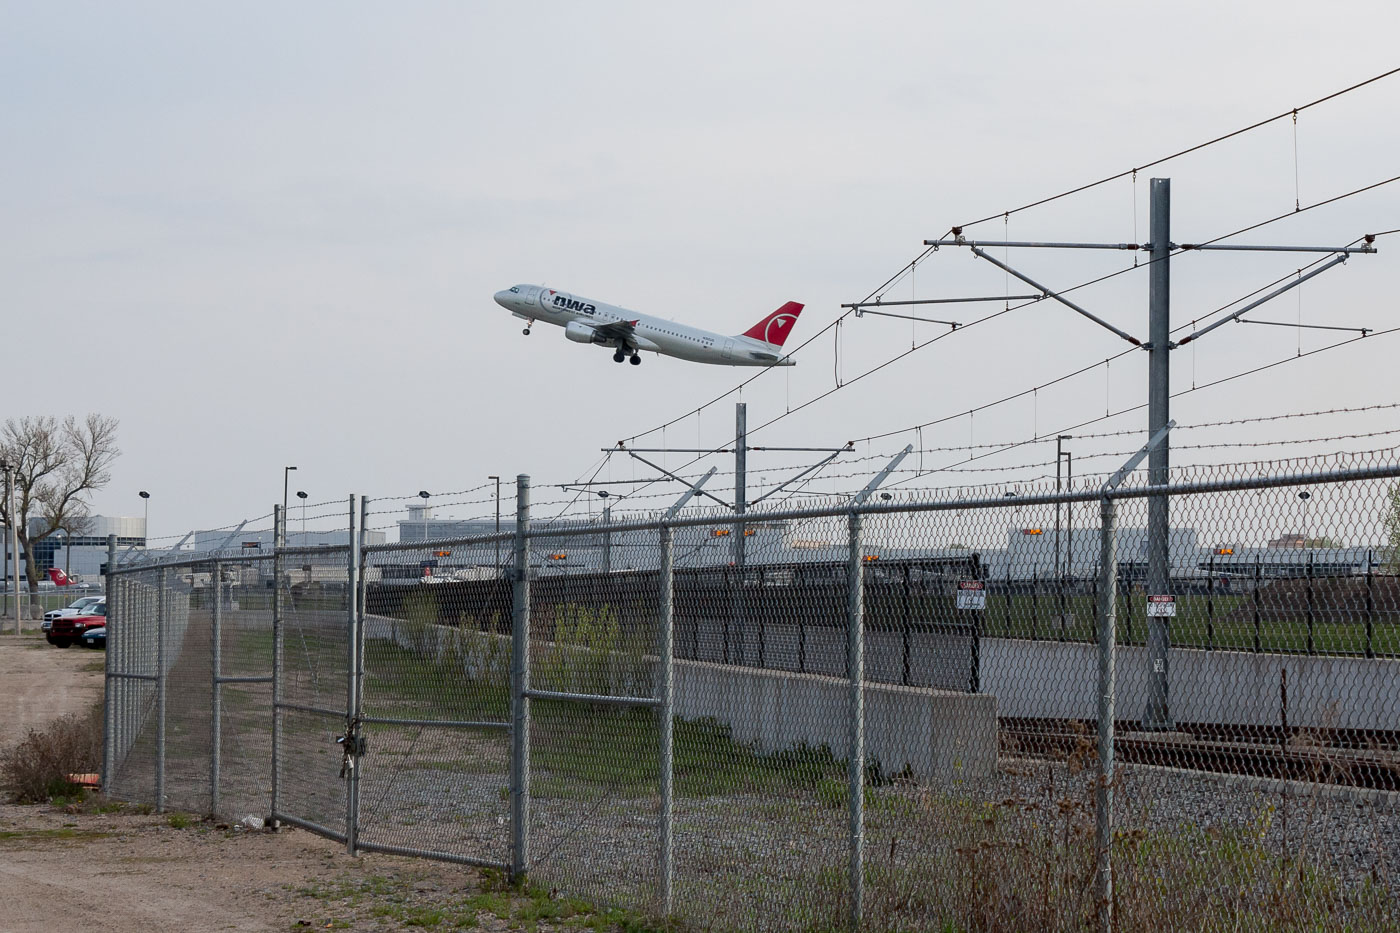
{"x": 973, "y": 713}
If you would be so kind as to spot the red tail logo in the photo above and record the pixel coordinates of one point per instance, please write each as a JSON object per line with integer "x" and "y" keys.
{"x": 58, "y": 577}
{"x": 774, "y": 329}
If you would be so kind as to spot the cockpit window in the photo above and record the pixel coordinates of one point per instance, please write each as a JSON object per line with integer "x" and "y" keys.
{"x": 516, "y": 289}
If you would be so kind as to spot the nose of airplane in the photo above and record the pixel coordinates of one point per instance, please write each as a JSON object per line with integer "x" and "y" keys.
{"x": 503, "y": 297}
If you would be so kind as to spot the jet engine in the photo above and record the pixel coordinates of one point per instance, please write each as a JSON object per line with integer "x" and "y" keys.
{"x": 579, "y": 332}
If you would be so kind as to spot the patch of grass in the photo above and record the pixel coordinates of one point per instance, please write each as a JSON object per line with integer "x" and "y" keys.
{"x": 100, "y": 804}
{"x": 179, "y": 820}
{"x": 618, "y": 750}
{"x": 44, "y": 835}
{"x": 404, "y": 901}
{"x": 1222, "y": 621}
{"x": 36, "y": 769}
{"x": 436, "y": 683}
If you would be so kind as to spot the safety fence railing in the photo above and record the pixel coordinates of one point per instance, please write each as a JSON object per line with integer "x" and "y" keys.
{"x": 873, "y": 716}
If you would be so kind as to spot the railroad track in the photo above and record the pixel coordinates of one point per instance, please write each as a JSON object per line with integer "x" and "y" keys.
{"x": 1341, "y": 759}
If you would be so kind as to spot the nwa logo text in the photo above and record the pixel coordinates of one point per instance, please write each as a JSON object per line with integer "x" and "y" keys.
{"x": 572, "y": 304}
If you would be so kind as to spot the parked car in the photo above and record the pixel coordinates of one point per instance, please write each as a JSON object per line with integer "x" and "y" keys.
{"x": 68, "y": 629}
{"x": 75, "y": 608}
{"x": 95, "y": 637}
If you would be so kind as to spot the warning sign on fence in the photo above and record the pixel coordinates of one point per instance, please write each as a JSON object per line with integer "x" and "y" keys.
{"x": 972, "y": 594}
{"x": 1161, "y": 606}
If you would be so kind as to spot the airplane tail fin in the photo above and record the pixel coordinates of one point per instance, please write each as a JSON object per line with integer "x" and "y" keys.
{"x": 774, "y": 329}
{"x": 58, "y": 577}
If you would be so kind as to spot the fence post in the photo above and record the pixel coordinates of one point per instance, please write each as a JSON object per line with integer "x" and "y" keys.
{"x": 1310, "y": 602}
{"x": 1127, "y": 606}
{"x": 1210, "y": 606}
{"x": 975, "y": 661}
{"x": 1063, "y": 608}
{"x": 109, "y": 700}
{"x": 665, "y": 689}
{"x": 904, "y": 629}
{"x": 353, "y": 739}
{"x": 520, "y": 683}
{"x": 1006, "y": 621}
{"x": 1103, "y": 799}
{"x": 1259, "y": 579}
{"x": 855, "y": 665}
{"x": 1035, "y": 601}
{"x": 1370, "y": 606}
{"x": 160, "y": 691}
{"x": 216, "y": 687}
{"x": 278, "y": 640}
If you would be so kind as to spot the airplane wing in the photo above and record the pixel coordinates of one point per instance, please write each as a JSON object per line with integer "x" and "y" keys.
{"x": 615, "y": 330}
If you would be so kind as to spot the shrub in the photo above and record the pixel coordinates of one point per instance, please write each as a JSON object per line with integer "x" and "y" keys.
{"x": 36, "y": 768}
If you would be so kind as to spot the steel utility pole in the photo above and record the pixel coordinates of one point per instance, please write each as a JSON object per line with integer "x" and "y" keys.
{"x": 1059, "y": 457}
{"x": 741, "y": 460}
{"x": 1159, "y": 329}
{"x": 1061, "y": 564}
{"x": 1157, "y": 714}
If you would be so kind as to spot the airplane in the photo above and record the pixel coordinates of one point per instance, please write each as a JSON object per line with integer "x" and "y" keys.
{"x": 628, "y": 332}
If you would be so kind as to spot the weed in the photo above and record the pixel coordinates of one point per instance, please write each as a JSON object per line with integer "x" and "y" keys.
{"x": 179, "y": 820}
{"x": 37, "y": 768}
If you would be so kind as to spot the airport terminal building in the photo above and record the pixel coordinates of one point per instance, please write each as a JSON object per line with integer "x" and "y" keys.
{"x": 82, "y": 554}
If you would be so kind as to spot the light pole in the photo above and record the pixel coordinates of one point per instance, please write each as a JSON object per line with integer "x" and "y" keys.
{"x": 607, "y": 535}
{"x": 422, "y": 521}
{"x": 301, "y": 494}
{"x": 498, "y": 521}
{"x": 286, "y": 472}
{"x": 1303, "y": 497}
{"x": 11, "y": 543}
{"x": 146, "y": 521}
{"x": 1010, "y": 556}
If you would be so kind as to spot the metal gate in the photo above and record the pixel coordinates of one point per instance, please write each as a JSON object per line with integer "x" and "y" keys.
{"x": 433, "y": 707}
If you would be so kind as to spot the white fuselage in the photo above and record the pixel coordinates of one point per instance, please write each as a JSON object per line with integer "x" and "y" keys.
{"x": 535, "y": 303}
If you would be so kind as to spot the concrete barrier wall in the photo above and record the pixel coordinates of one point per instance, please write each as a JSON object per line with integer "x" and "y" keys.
{"x": 938, "y": 735}
{"x": 1046, "y": 679}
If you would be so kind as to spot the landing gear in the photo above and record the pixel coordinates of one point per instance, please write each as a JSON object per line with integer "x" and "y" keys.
{"x": 636, "y": 359}
{"x": 526, "y": 331}
{"x": 619, "y": 356}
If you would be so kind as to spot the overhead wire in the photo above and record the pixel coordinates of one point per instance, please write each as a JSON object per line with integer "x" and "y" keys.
{"x": 1090, "y": 367}
{"x": 1187, "y": 151}
{"x": 909, "y": 267}
{"x": 1094, "y": 281}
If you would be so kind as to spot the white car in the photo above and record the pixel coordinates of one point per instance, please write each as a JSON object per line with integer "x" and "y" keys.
{"x": 77, "y": 607}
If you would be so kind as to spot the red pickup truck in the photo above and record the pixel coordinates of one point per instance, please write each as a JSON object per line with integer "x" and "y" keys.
{"x": 68, "y": 630}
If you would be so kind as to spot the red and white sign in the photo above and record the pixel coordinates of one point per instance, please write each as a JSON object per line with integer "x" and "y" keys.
{"x": 972, "y": 594}
{"x": 1161, "y": 606}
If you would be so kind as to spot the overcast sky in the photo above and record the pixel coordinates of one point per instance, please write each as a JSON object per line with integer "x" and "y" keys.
{"x": 268, "y": 234}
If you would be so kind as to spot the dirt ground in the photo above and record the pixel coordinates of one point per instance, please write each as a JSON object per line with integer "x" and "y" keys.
{"x": 76, "y": 868}
{"x": 40, "y": 683}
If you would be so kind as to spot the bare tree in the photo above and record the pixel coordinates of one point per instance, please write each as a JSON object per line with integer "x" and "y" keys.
{"x": 56, "y": 466}
{"x": 1390, "y": 521}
